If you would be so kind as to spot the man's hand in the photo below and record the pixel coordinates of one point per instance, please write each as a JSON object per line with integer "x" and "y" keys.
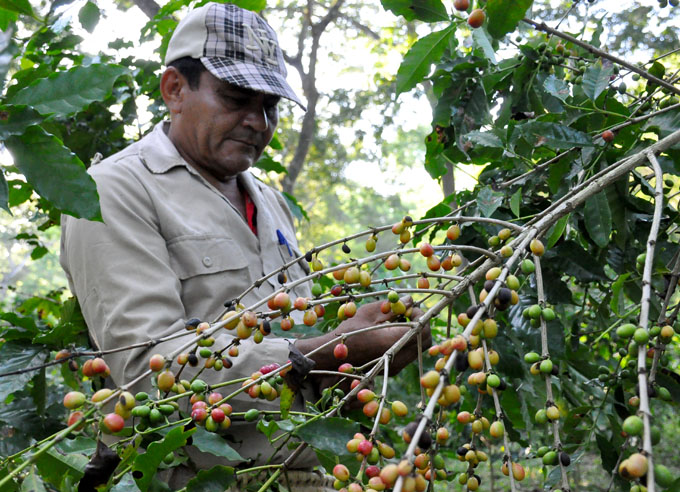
{"x": 370, "y": 345}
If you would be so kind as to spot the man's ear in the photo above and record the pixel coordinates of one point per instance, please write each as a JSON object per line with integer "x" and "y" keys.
{"x": 172, "y": 85}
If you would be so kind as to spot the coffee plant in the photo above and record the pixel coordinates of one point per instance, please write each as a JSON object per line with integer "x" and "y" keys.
{"x": 550, "y": 292}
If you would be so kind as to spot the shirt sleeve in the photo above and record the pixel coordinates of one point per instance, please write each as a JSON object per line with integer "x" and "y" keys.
{"x": 121, "y": 273}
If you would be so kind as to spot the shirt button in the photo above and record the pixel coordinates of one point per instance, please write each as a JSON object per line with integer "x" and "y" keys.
{"x": 207, "y": 261}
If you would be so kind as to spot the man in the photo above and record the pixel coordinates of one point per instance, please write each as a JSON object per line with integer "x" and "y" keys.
{"x": 187, "y": 227}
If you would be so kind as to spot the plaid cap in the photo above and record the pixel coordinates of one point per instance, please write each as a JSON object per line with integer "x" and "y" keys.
{"x": 235, "y": 45}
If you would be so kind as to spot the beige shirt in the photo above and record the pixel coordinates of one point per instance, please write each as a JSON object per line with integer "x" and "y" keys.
{"x": 172, "y": 248}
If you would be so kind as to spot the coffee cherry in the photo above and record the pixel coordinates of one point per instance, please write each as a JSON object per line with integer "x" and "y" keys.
{"x": 550, "y": 458}
{"x": 442, "y": 436}
{"x": 426, "y": 250}
{"x": 430, "y": 379}
{"x": 341, "y": 472}
{"x": 626, "y": 331}
{"x": 74, "y": 399}
{"x": 392, "y": 262}
{"x": 309, "y": 318}
{"x": 633, "y": 425}
{"x": 461, "y": 5}
{"x": 518, "y": 472}
{"x": 476, "y": 19}
{"x": 537, "y": 247}
{"x": 101, "y": 395}
{"x": 166, "y": 380}
{"x": 112, "y": 423}
{"x": 552, "y": 412}
{"x": 546, "y": 366}
{"x": 433, "y": 263}
{"x": 528, "y": 267}
{"x": 282, "y": 301}
{"x": 365, "y": 447}
{"x": 497, "y": 429}
{"x": 541, "y": 416}
{"x": 157, "y": 362}
{"x": 286, "y": 324}
{"x": 399, "y": 408}
{"x": 371, "y": 243}
{"x": 663, "y": 475}
{"x": 365, "y": 395}
{"x": 99, "y": 367}
{"x": 531, "y": 357}
{"x": 75, "y": 417}
{"x": 493, "y": 381}
{"x": 633, "y": 467}
{"x": 608, "y": 136}
{"x": 641, "y": 336}
{"x": 370, "y": 409}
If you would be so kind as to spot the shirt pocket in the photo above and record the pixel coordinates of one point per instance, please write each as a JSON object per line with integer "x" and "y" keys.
{"x": 204, "y": 254}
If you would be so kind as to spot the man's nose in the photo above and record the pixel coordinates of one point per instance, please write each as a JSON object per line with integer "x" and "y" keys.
{"x": 256, "y": 118}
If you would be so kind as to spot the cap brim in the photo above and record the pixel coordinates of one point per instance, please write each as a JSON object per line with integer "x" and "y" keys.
{"x": 251, "y": 76}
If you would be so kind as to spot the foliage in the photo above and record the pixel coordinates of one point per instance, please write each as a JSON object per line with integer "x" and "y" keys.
{"x": 534, "y": 120}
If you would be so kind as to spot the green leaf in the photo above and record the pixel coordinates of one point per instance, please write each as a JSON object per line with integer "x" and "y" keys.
{"x": 15, "y": 119}
{"x": 570, "y": 258}
{"x": 598, "y": 218}
{"x": 480, "y": 39}
{"x": 275, "y": 143}
{"x": 209, "y": 442}
{"x": 504, "y": 15}
{"x": 4, "y": 193}
{"x": 515, "y": 201}
{"x": 32, "y": 482}
{"x": 7, "y": 18}
{"x": 286, "y": 400}
{"x": 216, "y": 478}
{"x": 424, "y": 10}
{"x": 15, "y": 356}
{"x": 55, "y": 172}
{"x": 608, "y": 452}
{"x": 295, "y": 207}
{"x": 254, "y": 5}
{"x": 488, "y": 201}
{"x": 556, "y": 87}
{"x": 89, "y": 16}
{"x": 20, "y": 6}
{"x": 554, "y": 135}
{"x": 328, "y": 434}
{"x": 596, "y": 79}
{"x": 266, "y": 163}
{"x": 617, "y": 303}
{"x": 146, "y": 464}
{"x": 484, "y": 139}
{"x": 27, "y": 324}
{"x": 81, "y": 444}
{"x": 65, "y": 93}
{"x": 19, "y": 192}
{"x": 556, "y": 231}
{"x": 417, "y": 62}
{"x": 54, "y": 466}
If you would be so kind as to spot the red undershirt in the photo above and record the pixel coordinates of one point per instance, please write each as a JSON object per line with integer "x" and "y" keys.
{"x": 250, "y": 213}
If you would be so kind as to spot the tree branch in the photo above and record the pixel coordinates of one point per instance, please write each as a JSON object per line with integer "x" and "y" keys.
{"x": 542, "y": 26}
{"x": 149, "y": 7}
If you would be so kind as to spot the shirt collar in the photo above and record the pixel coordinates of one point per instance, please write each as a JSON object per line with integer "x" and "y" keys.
{"x": 158, "y": 152}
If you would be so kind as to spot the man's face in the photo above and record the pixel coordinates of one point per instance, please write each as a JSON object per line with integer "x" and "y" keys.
{"x": 223, "y": 129}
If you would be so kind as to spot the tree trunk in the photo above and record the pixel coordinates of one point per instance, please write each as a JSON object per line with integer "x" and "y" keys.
{"x": 449, "y": 182}
{"x": 149, "y": 7}
{"x": 307, "y": 133}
